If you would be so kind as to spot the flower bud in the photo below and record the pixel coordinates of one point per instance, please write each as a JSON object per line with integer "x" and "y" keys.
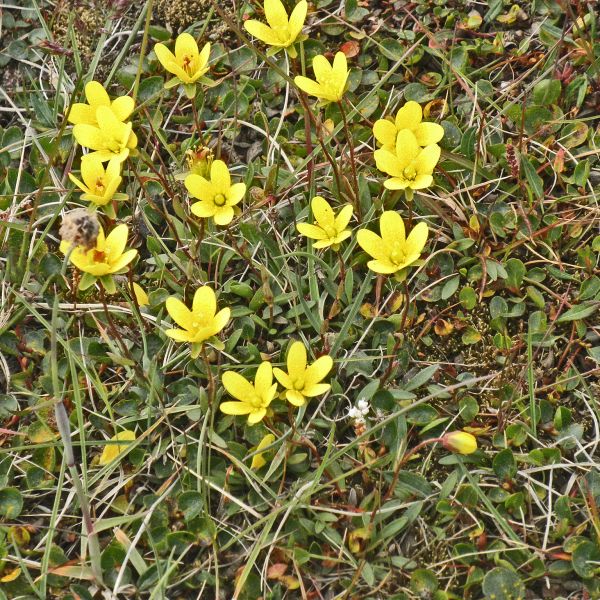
{"x": 460, "y": 441}
{"x": 200, "y": 160}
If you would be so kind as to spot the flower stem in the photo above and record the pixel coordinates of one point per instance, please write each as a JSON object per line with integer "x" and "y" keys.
{"x": 356, "y": 193}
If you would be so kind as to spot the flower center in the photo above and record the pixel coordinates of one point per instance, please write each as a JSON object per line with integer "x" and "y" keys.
{"x": 186, "y": 63}
{"x": 219, "y": 199}
{"x": 114, "y": 145}
{"x": 330, "y": 231}
{"x": 409, "y": 173}
{"x": 256, "y": 401}
{"x": 298, "y": 383}
{"x": 398, "y": 256}
{"x": 99, "y": 256}
{"x": 100, "y": 187}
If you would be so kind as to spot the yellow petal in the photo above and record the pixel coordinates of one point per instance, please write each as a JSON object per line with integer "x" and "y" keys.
{"x": 417, "y": 238}
{"x": 220, "y": 178}
{"x": 312, "y": 231}
{"x": 78, "y": 183}
{"x": 185, "y": 44}
{"x": 396, "y": 183}
{"x": 82, "y": 113}
{"x": 391, "y": 227}
{"x": 220, "y": 320}
{"x": 342, "y": 220}
{"x": 263, "y": 380}
{"x": 276, "y": 14}
{"x": 164, "y": 55}
{"x": 317, "y": 371}
{"x": 428, "y": 133}
{"x": 297, "y": 19}
{"x": 421, "y": 182}
{"x": 283, "y": 378}
{"x": 388, "y": 162}
{"x": 204, "y": 210}
{"x": 205, "y": 302}
{"x": 235, "y": 408}
{"x": 179, "y": 335}
{"x": 88, "y": 136}
{"x": 258, "y": 460}
{"x": 322, "y": 69}
{"x": 316, "y": 389}
{"x": 385, "y": 133}
{"x": 295, "y": 397}
{"x": 262, "y": 32}
{"x": 223, "y": 215}
{"x": 111, "y": 451}
{"x": 296, "y": 360}
{"x": 91, "y": 170}
{"x": 383, "y": 267}
{"x": 96, "y": 94}
{"x": 407, "y": 148}
{"x": 427, "y": 159}
{"x": 323, "y": 212}
{"x": 409, "y": 116}
{"x": 372, "y": 244}
{"x": 237, "y": 385}
{"x": 236, "y": 193}
{"x": 123, "y": 107}
{"x": 256, "y": 416}
{"x": 180, "y": 313}
{"x": 198, "y": 187}
{"x": 123, "y": 260}
{"x": 309, "y": 86}
{"x": 116, "y": 241}
{"x": 140, "y": 295}
{"x": 203, "y": 58}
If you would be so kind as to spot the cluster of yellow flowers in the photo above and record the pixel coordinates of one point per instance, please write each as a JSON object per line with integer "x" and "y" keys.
{"x": 408, "y": 153}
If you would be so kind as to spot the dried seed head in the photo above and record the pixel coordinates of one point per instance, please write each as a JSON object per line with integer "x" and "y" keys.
{"x": 80, "y": 227}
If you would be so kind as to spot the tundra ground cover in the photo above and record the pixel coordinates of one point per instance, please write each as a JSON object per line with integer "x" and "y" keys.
{"x": 299, "y": 300}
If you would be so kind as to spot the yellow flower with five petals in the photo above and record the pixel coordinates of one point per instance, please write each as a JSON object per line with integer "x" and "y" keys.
{"x": 187, "y": 64}
{"x": 303, "y": 381}
{"x": 410, "y": 166}
{"x": 392, "y": 251}
{"x": 329, "y": 229}
{"x": 109, "y": 139}
{"x": 201, "y": 322}
{"x": 217, "y": 196}
{"x": 410, "y": 117}
{"x": 280, "y": 32}
{"x": 252, "y": 399}
{"x": 107, "y": 257}
{"x": 97, "y": 96}
{"x": 99, "y": 184}
{"x": 330, "y": 81}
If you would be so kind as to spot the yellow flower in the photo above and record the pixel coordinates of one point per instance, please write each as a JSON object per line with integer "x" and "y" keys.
{"x": 280, "y": 32}
{"x": 96, "y": 95}
{"x": 217, "y": 196}
{"x": 107, "y": 257}
{"x": 330, "y": 79}
{"x": 410, "y": 166}
{"x": 302, "y": 381}
{"x": 111, "y": 138}
{"x": 330, "y": 229}
{"x": 392, "y": 251}
{"x": 111, "y": 451}
{"x": 253, "y": 399}
{"x": 187, "y": 64}
{"x": 460, "y": 441}
{"x": 258, "y": 460}
{"x": 99, "y": 185}
{"x": 200, "y": 323}
{"x": 409, "y": 117}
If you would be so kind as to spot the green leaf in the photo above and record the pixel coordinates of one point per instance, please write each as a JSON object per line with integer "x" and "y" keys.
{"x": 468, "y": 298}
{"x": 547, "y": 92}
{"x": 578, "y": 312}
{"x": 11, "y": 502}
{"x": 535, "y": 181}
